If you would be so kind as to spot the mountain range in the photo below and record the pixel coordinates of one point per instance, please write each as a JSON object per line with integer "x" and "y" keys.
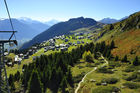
{"x": 62, "y": 28}
{"x": 27, "y": 29}
{"x": 51, "y": 22}
{"x": 111, "y": 20}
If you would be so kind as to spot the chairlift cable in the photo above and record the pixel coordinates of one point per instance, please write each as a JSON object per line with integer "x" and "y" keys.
{"x": 9, "y": 17}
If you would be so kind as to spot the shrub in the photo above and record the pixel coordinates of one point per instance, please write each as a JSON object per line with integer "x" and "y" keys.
{"x": 98, "y": 83}
{"x": 110, "y": 80}
{"x": 131, "y": 85}
{"x": 134, "y": 77}
{"x": 114, "y": 64}
{"x": 129, "y": 69}
{"x": 80, "y": 67}
{"x": 87, "y": 56}
{"x": 97, "y": 63}
{"x": 138, "y": 78}
{"x": 106, "y": 89}
{"x": 90, "y": 65}
{"x": 104, "y": 70}
{"x": 131, "y": 77}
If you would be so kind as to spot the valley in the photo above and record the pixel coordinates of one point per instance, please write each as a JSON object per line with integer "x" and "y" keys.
{"x": 80, "y": 55}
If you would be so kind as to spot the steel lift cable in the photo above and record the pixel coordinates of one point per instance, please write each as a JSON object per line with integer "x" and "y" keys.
{"x": 10, "y": 20}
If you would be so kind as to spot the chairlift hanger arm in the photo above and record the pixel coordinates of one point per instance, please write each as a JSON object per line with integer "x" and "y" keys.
{"x": 13, "y": 32}
{"x": 6, "y": 41}
{"x": 8, "y": 31}
{"x": 11, "y": 35}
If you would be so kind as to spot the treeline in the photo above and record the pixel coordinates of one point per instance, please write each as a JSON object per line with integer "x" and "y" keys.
{"x": 52, "y": 71}
{"x": 104, "y": 49}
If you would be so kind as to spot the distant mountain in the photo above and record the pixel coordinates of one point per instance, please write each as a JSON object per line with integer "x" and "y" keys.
{"x": 27, "y": 29}
{"x": 124, "y": 18}
{"x": 61, "y": 28}
{"x": 51, "y": 22}
{"x": 108, "y": 20}
{"x": 111, "y": 20}
{"x": 34, "y": 24}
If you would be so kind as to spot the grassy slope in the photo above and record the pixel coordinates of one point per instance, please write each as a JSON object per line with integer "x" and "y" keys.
{"x": 126, "y": 36}
{"x": 125, "y": 43}
{"x": 88, "y": 86}
{"x": 125, "y": 40}
{"x": 16, "y": 67}
{"x": 89, "y": 29}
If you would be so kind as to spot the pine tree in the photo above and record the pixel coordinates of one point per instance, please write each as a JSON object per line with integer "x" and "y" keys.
{"x": 12, "y": 86}
{"x": 111, "y": 27}
{"x": 11, "y": 79}
{"x": 35, "y": 85}
{"x": 17, "y": 76}
{"x": 69, "y": 78}
{"x": 102, "y": 46}
{"x": 112, "y": 45}
{"x": 95, "y": 56}
{"x": 11, "y": 82}
{"x": 63, "y": 84}
{"x": 87, "y": 56}
{"x": 116, "y": 58}
{"x": 124, "y": 58}
{"x": 136, "y": 62}
{"x": 108, "y": 53}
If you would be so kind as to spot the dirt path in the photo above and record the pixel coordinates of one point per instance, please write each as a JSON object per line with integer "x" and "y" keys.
{"x": 79, "y": 84}
{"x": 106, "y": 62}
{"x": 83, "y": 79}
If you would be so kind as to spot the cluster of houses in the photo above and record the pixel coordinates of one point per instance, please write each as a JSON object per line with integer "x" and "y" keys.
{"x": 10, "y": 62}
{"x": 19, "y": 57}
{"x": 50, "y": 46}
{"x": 63, "y": 47}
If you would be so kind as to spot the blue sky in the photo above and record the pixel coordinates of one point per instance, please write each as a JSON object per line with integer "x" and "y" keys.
{"x": 44, "y": 10}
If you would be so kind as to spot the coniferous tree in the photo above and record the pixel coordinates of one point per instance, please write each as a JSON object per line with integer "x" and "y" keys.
{"x": 105, "y": 51}
{"x": 63, "y": 84}
{"x": 11, "y": 79}
{"x": 102, "y": 46}
{"x": 108, "y": 53}
{"x": 111, "y": 27}
{"x": 17, "y": 76}
{"x": 11, "y": 82}
{"x": 116, "y": 58}
{"x": 35, "y": 85}
{"x": 12, "y": 87}
{"x": 54, "y": 67}
{"x": 95, "y": 56}
{"x": 69, "y": 78}
{"x": 124, "y": 59}
{"x": 87, "y": 56}
{"x": 136, "y": 61}
{"x": 112, "y": 45}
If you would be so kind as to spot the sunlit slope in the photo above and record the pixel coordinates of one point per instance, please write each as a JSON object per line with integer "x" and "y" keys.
{"x": 126, "y": 35}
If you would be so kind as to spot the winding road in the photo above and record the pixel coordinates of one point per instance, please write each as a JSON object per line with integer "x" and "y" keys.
{"x": 79, "y": 84}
